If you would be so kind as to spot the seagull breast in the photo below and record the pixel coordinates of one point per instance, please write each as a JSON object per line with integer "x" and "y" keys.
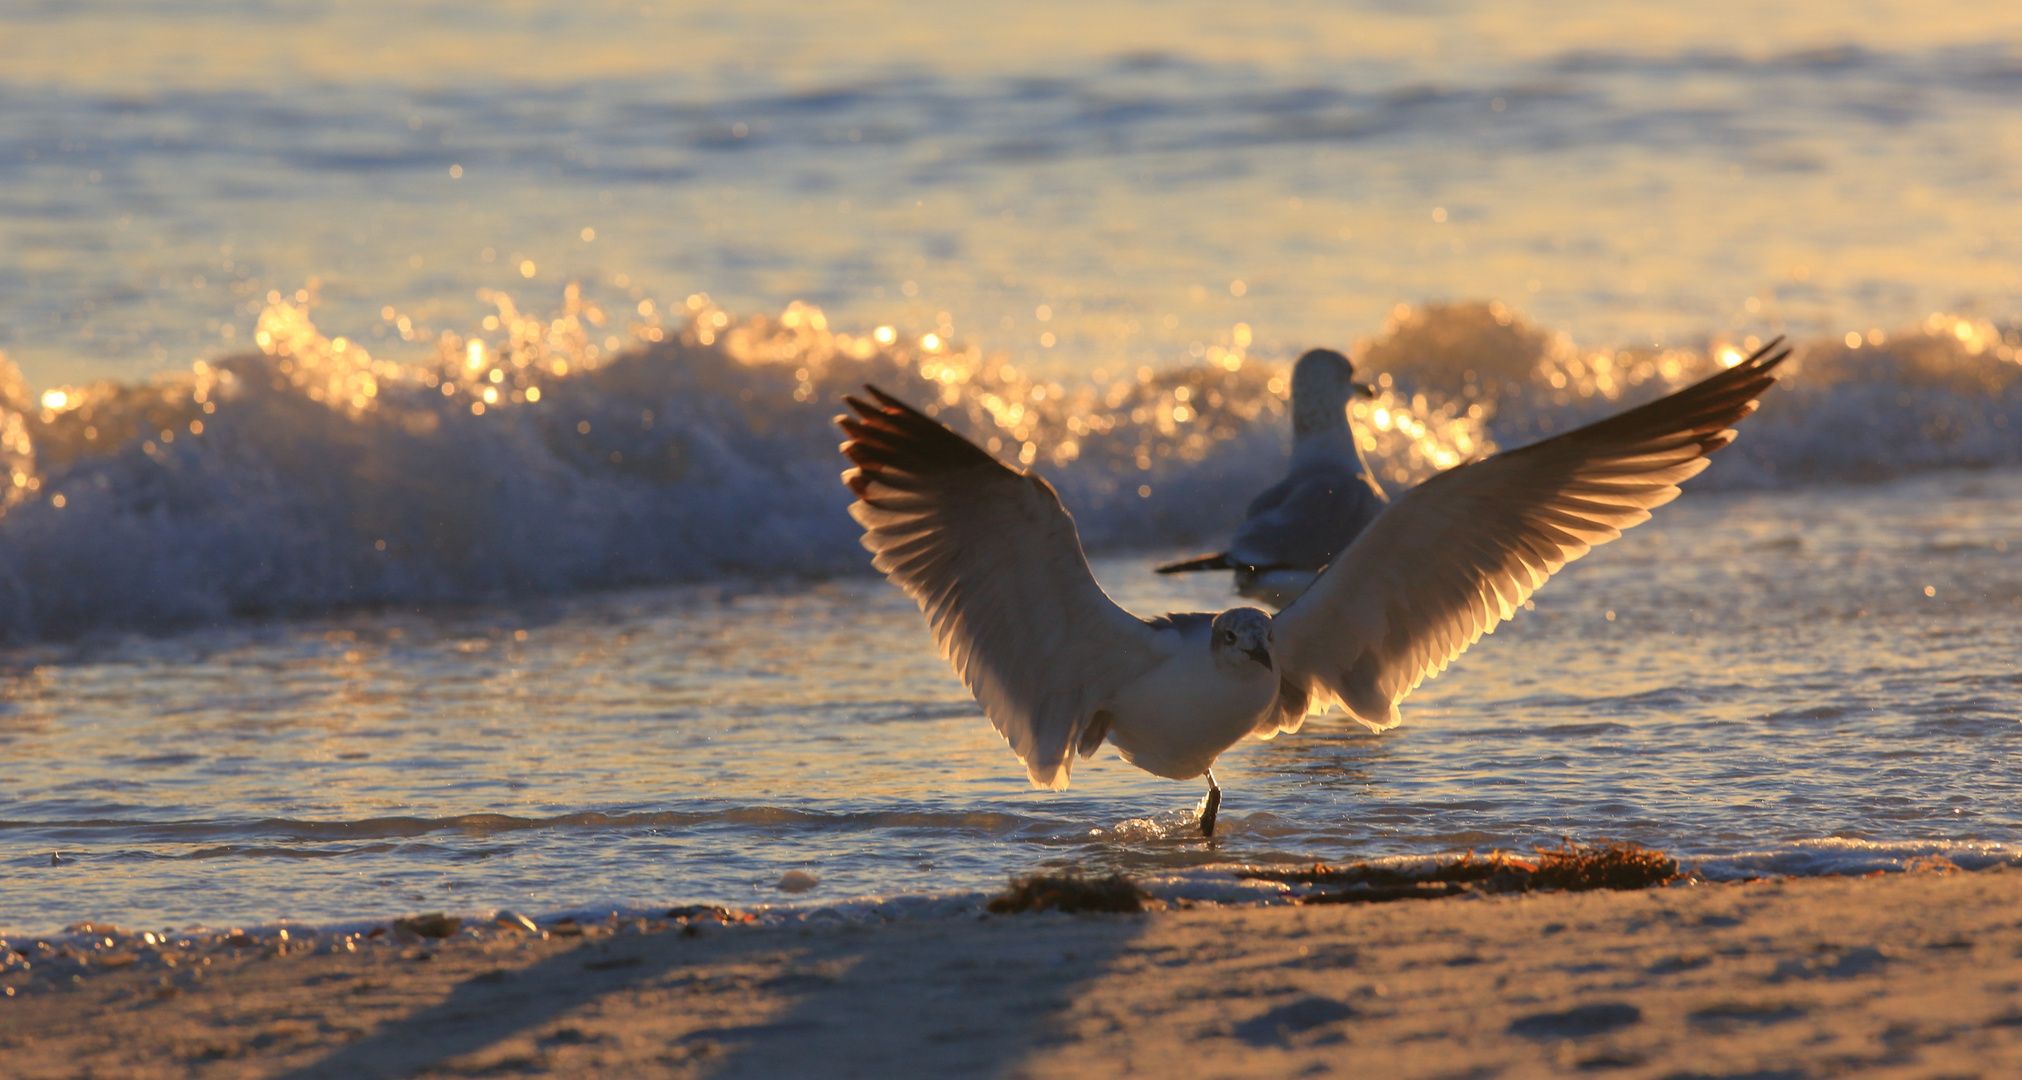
{"x": 1174, "y": 720}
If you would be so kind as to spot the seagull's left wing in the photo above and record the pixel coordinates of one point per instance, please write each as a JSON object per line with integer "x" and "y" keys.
{"x": 994, "y": 561}
{"x": 1458, "y": 554}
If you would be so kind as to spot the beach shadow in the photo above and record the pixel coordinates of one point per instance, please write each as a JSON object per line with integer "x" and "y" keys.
{"x": 953, "y": 998}
{"x": 956, "y": 997}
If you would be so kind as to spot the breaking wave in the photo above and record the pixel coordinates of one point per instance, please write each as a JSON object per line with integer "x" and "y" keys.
{"x": 531, "y": 458}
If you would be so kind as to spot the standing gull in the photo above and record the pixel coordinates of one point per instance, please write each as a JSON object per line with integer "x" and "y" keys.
{"x": 994, "y": 561}
{"x": 1325, "y": 501}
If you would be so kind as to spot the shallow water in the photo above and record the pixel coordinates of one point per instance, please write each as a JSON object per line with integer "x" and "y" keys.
{"x": 1776, "y": 690}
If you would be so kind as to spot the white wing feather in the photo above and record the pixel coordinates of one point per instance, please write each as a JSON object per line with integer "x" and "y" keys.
{"x": 995, "y": 563}
{"x": 1460, "y": 553}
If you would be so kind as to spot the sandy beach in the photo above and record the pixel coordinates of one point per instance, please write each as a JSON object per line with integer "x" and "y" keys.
{"x": 1903, "y": 975}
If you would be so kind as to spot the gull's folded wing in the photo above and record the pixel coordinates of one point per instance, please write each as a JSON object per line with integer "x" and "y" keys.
{"x": 1317, "y": 512}
{"x": 1461, "y": 552}
{"x": 994, "y": 561}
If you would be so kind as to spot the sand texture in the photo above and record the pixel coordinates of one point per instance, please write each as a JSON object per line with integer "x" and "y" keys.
{"x": 1909, "y": 975}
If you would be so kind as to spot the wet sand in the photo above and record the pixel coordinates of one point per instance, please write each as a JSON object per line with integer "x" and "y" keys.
{"x": 1916, "y": 975}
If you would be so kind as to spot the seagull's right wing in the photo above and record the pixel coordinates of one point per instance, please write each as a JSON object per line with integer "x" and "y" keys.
{"x": 1461, "y": 552}
{"x": 994, "y": 561}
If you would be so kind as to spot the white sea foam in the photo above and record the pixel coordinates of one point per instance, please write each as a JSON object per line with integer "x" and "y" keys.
{"x": 311, "y": 476}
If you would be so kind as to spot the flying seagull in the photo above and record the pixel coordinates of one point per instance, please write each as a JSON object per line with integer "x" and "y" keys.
{"x": 994, "y": 561}
{"x": 1325, "y": 501}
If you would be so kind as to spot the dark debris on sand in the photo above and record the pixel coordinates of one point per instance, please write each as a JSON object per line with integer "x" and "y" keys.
{"x": 1571, "y": 867}
{"x": 1068, "y": 892}
{"x": 435, "y": 924}
{"x": 1580, "y": 867}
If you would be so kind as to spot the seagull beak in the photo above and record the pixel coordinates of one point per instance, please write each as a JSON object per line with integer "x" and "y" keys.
{"x": 1261, "y": 656}
{"x": 1364, "y": 389}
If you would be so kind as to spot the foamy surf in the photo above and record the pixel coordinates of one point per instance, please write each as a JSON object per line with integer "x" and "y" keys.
{"x": 541, "y": 456}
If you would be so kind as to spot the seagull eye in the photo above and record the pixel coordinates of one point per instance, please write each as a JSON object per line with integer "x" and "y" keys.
{"x": 1229, "y": 636}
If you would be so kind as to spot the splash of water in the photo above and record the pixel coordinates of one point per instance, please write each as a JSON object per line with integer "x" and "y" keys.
{"x": 602, "y": 446}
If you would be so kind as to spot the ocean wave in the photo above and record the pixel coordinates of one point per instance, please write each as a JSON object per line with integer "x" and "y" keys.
{"x": 528, "y": 458}
{"x": 1841, "y": 856}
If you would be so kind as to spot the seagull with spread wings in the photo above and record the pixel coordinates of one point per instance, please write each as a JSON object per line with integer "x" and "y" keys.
{"x": 994, "y": 561}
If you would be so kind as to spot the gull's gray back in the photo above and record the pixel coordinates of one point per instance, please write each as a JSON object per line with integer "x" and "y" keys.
{"x": 1310, "y": 517}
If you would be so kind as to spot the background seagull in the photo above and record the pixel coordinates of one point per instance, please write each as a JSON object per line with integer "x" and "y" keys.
{"x": 1325, "y": 501}
{"x": 994, "y": 561}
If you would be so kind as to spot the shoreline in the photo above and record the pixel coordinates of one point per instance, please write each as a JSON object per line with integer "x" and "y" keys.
{"x": 1914, "y": 974}
{"x": 1218, "y": 883}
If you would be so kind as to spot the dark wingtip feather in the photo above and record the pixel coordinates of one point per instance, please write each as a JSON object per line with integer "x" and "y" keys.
{"x": 887, "y": 400}
{"x": 893, "y": 436}
{"x": 861, "y": 407}
{"x": 1702, "y": 411}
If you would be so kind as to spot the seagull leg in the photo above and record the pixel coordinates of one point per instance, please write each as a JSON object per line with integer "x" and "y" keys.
{"x": 1210, "y": 805}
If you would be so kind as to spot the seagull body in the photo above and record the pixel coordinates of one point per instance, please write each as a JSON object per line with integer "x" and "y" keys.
{"x": 1174, "y": 720}
{"x": 1297, "y": 526}
{"x": 993, "y": 559}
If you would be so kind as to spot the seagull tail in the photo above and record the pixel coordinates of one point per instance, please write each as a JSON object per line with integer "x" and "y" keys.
{"x": 1219, "y": 561}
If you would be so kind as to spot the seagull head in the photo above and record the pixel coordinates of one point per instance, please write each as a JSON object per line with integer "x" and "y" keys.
{"x": 1323, "y": 381}
{"x": 1242, "y": 636}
